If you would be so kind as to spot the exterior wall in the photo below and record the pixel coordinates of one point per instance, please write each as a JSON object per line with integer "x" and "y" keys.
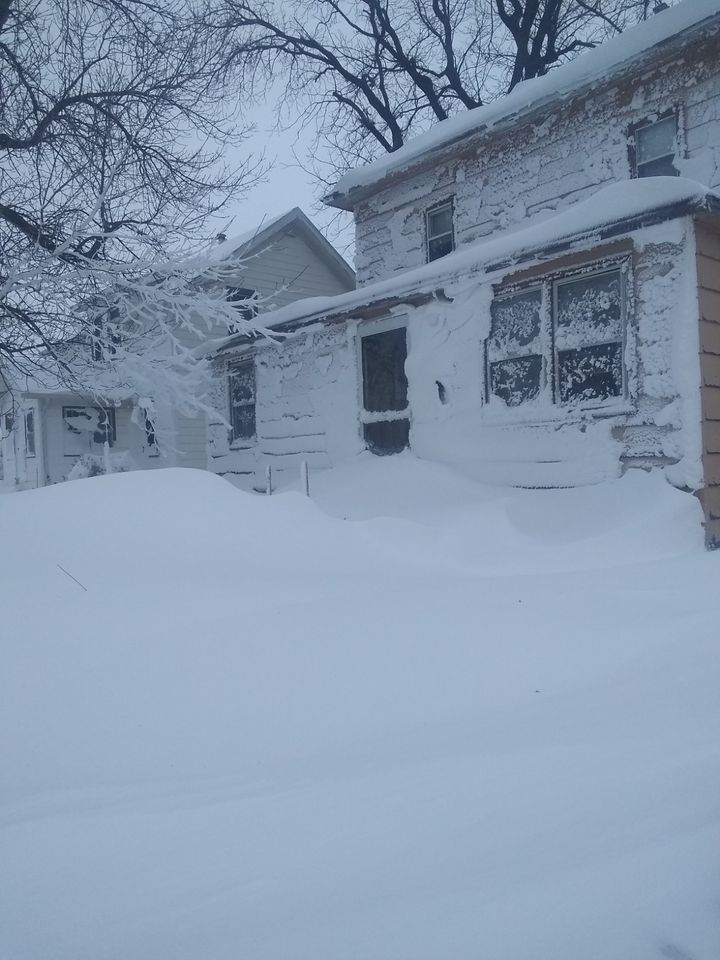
{"x": 544, "y": 165}
{"x": 285, "y": 271}
{"x": 20, "y": 469}
{"x": 130, "y": 451}
{"x": 708, "y": 264}
{"x": 309, "y": 389}
{"x": 307, "y": 408}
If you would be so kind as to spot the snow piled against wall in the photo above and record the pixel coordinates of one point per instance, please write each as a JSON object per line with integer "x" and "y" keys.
{"x": 474, "y": 722}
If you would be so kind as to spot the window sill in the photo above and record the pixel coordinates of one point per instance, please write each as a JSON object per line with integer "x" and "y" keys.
{"x": 538, "y": 416}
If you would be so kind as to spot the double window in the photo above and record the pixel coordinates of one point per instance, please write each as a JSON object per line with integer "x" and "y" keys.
{"x": 654, "y": 147}
{"x": 439, "y": 230}
{"x": 85, "y": 426}
{"x": 241, "y": 388}
{"x": 559, "y": 341}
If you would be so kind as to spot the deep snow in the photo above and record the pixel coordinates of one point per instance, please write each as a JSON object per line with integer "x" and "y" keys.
{"x": 474, "y": 722}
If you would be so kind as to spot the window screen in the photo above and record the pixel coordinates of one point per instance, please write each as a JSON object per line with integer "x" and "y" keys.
{"x": 655, "y": 145}
{"x": 440, "y": 232}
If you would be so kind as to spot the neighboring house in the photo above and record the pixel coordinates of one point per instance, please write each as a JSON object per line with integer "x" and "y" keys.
{"x": 539, "y": 286}
{"x": 48, "y": 432}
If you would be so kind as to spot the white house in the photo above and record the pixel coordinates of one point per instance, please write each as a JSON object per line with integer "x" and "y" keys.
{"x": 539, "y": 287}
{"x": 48, "y": 430}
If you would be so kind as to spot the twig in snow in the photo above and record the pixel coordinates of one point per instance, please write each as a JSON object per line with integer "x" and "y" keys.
{"x": 73, "y": 578}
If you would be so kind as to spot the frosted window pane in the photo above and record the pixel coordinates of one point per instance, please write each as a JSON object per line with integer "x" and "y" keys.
{"x": 589, "y": 310}
{"x": 242, "y": 401}
{"x": 656, "y": 140}
{"x": 516, "y": 381}
{"x": 590, "y": 373}
{"x": 515, "y": 323}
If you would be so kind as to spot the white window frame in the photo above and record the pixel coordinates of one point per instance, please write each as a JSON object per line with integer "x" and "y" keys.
{"x": 637, "y": 130}
{"x": 108, "y": 411}
{"x": 436, "y": 208}
{"x": 548, "y": 406}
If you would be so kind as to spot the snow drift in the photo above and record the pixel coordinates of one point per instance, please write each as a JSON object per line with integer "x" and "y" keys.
{"x": 472, "y": 722}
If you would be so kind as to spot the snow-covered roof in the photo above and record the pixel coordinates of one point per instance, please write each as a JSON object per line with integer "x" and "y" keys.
{"x": 570, "y": 79}
{"x": 614, "y": 205}
{"x": 246, "y": 244}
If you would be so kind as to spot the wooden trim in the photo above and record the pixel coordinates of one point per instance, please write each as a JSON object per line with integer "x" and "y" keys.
{"x": 571, "y": 261}
{"x": 707, "y": 241}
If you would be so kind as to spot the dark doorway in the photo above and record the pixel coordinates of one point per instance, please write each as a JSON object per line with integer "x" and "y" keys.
{"x": 385, "y": 391}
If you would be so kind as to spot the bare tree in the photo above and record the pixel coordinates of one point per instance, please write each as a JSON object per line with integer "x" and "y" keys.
{"x": 371, "y": 73}
{"x": 113, "y": 126}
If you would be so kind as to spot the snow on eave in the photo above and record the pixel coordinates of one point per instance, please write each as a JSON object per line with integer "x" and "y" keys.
{"x": 620, "y": 207}
{"x": 679, "y": 24}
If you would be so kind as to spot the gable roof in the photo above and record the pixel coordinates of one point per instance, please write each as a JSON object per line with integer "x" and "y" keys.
{"x": 293, "y": 221}
{"x": 676, "y": 25}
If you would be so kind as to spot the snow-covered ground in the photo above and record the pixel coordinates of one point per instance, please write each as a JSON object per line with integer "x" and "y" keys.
{"x": 472, "y": 723}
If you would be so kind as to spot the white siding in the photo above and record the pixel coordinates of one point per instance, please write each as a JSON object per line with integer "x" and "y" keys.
{"x": 502, "y": 179}
{"x": 308, "y": 391}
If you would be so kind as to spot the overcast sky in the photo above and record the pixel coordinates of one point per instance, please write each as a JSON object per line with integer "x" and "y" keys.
{"x": 287, "y": 185}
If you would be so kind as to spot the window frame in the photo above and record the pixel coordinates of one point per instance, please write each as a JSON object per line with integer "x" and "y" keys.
{"x": 435, "y": 208}
{"x": 109, "y": 412}
{"x": 246, "y": 360}
{"x": 636, "y": 128}
{"x": 246, "y": 313}
{"x": 548, "y": 406}
{"x": 30, "y": 415}
{"x": 370, "y": 328}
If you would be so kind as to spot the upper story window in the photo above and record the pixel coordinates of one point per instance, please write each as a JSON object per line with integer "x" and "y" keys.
{"x": 439, "y": 230}
{"x": 241, "y": 388}
{"x": 245, "y": 302}
{"x": 106, "y": 337}
{"x": 655, "y": 147}
{"x": 561, "y": 340}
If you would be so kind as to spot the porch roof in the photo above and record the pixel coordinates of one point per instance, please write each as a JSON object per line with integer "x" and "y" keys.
{"x": 614, "y": 210}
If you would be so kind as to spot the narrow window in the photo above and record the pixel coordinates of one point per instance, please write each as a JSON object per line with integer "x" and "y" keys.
{"x": 440, "y": 231}
{"x": 106, "y": 338}
{"x": 589, "y": 323}
{"x": 30, "y": 433}
{"x": 105, "y": 431}
{"x": 150, "y": 432}
{"x": 514, "y": 352}
{"x": 655, "y": 148}
{"x": 241, "y": 384}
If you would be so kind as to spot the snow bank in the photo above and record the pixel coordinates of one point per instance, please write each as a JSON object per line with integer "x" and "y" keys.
{"x": 471, "y": 722}
{"x": 568, "y": 79}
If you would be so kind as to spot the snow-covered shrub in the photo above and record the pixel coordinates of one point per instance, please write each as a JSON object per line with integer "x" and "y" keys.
{"x": 93, "y": 465}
